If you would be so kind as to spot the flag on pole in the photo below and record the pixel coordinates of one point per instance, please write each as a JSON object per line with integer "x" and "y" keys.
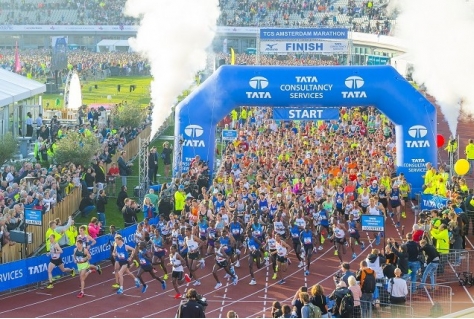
{"x": 17, "y": 59}
{"x": 232, "y": 56}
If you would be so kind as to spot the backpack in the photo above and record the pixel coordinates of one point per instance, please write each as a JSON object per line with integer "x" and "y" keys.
{"x": 369, "y": 282}
{"x": 314, "y": 311}
{"x": 346, "y": 308}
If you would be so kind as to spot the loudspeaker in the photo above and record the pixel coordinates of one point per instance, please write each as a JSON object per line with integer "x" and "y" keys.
{"x": 19, "y": 237}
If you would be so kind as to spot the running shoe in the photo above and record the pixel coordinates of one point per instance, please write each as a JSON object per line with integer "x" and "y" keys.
{"x": 136, "y": 263}
{"x": 336, "y": 253}
{"x": 354, "y": 256}
{"x": 137, "y": 282}
{"x": 113, "y": 272}
{"x": 116, "y": 286}
{"x": 276, "y": 268}
{"x": 177, "y": 296}
{"x": 145, "y": 287}
{"x": 306, "y": 273}
{"x": 119, "y": 291}
{"x": 390, "y": 214}
{"x": 300, "y": 264}
{"x": 187, "y": 278}
{"x": 165, "y": 277}
{"x": 50, "y": 286}
{"x": 226, "y": 276}
{"x": 57, "y": 277}
{"x": 163, "y": 285}
{"x": 99, "y": 269}
{"x": 267, "y": 263}
{"x": 320, "y": 248}
{"x": 80, "y": 295}
{"x": 347, "y": 244}
{"x": 397, "y": 225}
{"x": 73, "y": 272}
{"x": 274, "y": 276}
{"x": 362, "y": 245}
{"x": 203, "y": 263}
{"x": 253, "y": 282}
{"x": 235, "y": 280}
{"x": 237, "y": 264}
{"x": 404, "y": 215}
{"x": 197, "y": 283}
{"x": 218, "y": 285}
{"x": 281, "y": 282}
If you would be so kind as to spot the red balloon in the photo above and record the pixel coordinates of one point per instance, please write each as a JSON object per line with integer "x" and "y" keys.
{"x": 439, "y": 140}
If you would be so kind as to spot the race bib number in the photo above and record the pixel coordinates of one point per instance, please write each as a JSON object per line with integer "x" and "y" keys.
{"x": 307, "y": 240}
{"x": 142, "y": 261}
{"x": 121, "y": 255}
{"x": 252, "y": 248}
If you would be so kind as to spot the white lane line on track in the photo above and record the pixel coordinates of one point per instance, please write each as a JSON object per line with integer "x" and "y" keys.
{"x": 324, "y": 279}
{"x": 260, "y": 290}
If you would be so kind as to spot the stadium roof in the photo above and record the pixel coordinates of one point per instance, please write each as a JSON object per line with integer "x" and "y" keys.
{"x": 14, "y": 87}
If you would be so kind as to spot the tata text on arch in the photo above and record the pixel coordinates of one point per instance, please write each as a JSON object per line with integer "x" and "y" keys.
{"x": 354, "y": 83}
{"x": 258, "y": 84}
{"x": 191, "y": 134}
{"x": 417, "y": 133}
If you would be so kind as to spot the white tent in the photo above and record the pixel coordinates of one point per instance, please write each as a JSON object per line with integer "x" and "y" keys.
{"x": 113, "y": 45}
{"x": 15, "y": 87}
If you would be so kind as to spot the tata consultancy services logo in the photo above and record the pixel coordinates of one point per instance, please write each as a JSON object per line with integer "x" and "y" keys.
{"x": 193, "y": 132}
{"x": 354, "y": 83}
{"x": 258, "y": 83}
{"x": 418, "y": 132}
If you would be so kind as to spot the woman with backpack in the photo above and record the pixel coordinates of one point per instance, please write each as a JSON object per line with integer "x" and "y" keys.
{"x": 344, "y": 306}
{"x": 319, "y": 300}
{"x": 308, "y": 310}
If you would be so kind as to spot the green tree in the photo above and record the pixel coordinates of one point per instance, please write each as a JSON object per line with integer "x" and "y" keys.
{"x": 8, "y": 147}
{"x": 76, "y": 148}
{"x": 129, "y": 114}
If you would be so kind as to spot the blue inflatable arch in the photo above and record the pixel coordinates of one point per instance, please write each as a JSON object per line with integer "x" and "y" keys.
{"x": 383, "y": 87}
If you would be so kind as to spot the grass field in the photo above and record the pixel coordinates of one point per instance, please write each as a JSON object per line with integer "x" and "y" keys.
{"x": 106, "y": 88}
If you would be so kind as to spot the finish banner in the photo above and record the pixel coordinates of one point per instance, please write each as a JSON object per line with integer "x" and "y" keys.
{"x": 270, "y": 47}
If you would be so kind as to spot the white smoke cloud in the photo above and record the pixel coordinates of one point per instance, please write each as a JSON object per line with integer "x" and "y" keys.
{"x": 439, "y": 37}
{"x": 173, "y": 36}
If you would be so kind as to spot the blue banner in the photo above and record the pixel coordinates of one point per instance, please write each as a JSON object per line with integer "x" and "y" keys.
{"x": 229, "y": 135}
{"x": 433, "y": 202}
{"x": 374, "y": 223}
{"x": 33, "y": 217}
{"x": 306, "y": 114}
{"x": 307, "y": 33}
{"x": 35, "y": 269}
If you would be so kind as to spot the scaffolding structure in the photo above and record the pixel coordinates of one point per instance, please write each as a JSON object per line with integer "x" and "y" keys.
{"x": 143, "y": 178}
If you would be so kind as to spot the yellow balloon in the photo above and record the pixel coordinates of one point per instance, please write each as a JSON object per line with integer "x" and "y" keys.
{"x": 461, "y": 167}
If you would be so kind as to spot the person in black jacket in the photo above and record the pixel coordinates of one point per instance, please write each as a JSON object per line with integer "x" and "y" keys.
{"x": 101, "y": 202}
{"x": 402, "y": 257}
{"x": 192, "y": 308}
{"x": 129, "y": 212}
{"x": 337, "y": 295}
{"x": 152, "y": 166}
{"x": 413, "y": 250}
{"x": 99, "y": 170}
{"x": 123, "y": 168}
{"x": 432, "y": 262}
{"x": 87, "y": 205}
{"x": 122, "y": 195}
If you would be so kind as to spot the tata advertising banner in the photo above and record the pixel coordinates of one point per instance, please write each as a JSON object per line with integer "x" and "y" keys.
{"x": 309, "y": 33}
{"x": 305, "y": 114}
{"x": 430, "y": 202}
{"x": 270, "y": 47}
{"x": 35, "y": 269}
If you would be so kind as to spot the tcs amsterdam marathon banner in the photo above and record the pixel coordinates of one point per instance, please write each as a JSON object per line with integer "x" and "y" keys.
{"x": 432, "y": 202}
{"x": 35, "y": 269}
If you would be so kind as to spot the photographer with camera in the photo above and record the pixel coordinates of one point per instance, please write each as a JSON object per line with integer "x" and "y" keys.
{"x": 194, "y": 306}
{"x": 344, "y": 274}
